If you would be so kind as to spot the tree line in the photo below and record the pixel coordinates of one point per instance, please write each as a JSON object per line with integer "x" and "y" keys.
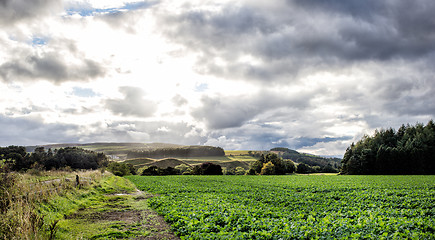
{"x": 17, "y": 159}
{"x": 409, "y": 150}
{"x": 187, "y": 151}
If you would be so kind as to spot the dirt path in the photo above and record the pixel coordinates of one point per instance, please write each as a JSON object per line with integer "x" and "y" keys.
{"x": 153, "y": 222}
{"x": 124, "y": 216}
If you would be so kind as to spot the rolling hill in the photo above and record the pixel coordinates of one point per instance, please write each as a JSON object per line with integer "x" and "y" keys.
{"x": 147, "y": 154}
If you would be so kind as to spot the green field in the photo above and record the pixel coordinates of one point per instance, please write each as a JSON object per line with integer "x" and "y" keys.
{"x": 295, "y": 207}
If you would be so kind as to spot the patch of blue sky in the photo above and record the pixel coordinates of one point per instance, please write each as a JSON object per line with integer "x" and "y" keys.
{"x": 201, "y": 87}
{"x": 39, "y": 41}
{"x": 83, "y": 92}
{"x": 86, "y": 10}
{"x": 139, "y": 5}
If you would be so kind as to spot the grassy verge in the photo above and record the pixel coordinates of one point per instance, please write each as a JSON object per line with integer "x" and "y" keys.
{"x": 96, "y": 213}
{"x": 103, "y": 207}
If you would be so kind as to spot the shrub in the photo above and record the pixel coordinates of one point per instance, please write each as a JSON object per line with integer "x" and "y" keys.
{"x": 303, "y": 168}
{"x": 207, "y": 168}
{"x": 121, "y": 169}
{"x": 150, "y": 171}
{"x": 156, "y": 171}
{"x": 280, "y": 166}
{"x": 183, "y": 168}
{"x": 239, "y": 171}
{"x": 289, "y": 166}
{"x": 268, "y": 169}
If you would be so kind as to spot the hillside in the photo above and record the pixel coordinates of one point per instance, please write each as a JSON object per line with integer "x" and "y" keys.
{"x": 143, "y": 154}
{"x": 165, "y": 163}
{"x": 309, "y": 159}
{"x": 120, "y": 151}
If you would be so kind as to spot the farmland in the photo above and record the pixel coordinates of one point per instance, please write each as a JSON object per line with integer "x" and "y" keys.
{"x": 295, "y": 207}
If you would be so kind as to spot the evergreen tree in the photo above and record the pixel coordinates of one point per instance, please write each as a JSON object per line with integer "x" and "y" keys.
{"x": 410, "y": 150}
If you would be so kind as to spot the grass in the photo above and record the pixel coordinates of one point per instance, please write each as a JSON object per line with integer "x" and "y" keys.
{"x": 98, "y": 219}
{"x": 80, "y": 213}
{"x": 50, "y": 206}
{"x": 24, "y": 216}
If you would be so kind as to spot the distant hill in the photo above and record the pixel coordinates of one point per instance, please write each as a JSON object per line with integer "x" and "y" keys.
{"x": 309, "y": 159}
{"x": 162, "y": 163}
{"x": 110, "y": 148}
{"x": 143, "y": 154}
{"x": 234, "y": 164}
{"x": 139, "y": 161}
{"x": 167, "y": 162}
{"x": 179, "y": 152}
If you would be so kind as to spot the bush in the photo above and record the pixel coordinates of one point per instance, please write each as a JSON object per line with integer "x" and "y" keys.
{"x": 239, "y": 171}
{"x": 268, "y": 169}
{"x": 121, "y": 169}
{"x": 183, "y": 169}
{"x": 150, "y": 171}
{"x": 280, "y": 166}
{"x": 207, "y": 168}
{"x": 303, "y": 168}
{"x": 289, "y": 166}
{"x": 156, "y": 171}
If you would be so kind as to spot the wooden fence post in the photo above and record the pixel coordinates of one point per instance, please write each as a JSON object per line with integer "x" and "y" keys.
{"x": 77, "y": 181}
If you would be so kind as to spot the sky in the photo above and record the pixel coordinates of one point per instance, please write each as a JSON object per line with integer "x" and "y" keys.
{"x": 309, "y": 75}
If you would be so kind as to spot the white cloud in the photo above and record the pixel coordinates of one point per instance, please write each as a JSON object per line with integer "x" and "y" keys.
{"x": 242, "y": 75}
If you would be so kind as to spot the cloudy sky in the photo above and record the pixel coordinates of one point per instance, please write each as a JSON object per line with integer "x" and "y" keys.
{"x": 309, "y": 75}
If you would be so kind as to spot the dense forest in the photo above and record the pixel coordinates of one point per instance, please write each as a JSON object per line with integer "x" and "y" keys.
{"x": 18, "y": 159}
{"x": 185, "y": 151}
{"x": 409, "y": 150}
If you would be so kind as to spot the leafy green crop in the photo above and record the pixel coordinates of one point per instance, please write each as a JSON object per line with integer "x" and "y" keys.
{"x": 295, "y": 207}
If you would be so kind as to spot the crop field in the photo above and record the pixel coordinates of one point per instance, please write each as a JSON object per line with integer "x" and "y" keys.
{"x": 294, "y": 207}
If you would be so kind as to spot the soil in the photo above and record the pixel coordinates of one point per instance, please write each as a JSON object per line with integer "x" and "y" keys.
{"x": 153, "y": 223}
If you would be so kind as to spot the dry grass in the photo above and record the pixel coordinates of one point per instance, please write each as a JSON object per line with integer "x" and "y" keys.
{"x": 22, "y": 193}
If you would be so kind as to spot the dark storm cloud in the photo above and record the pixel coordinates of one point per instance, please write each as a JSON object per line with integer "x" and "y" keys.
{"x": 385, "y": 47}
{"x": 28, "y": 131}
{"x": 133, "y": 103}
{"x": 12, "y": 11}
{"x": 230, "y": 112}
{"x": 49, "y": 66}
{"x": 304, "y": 36}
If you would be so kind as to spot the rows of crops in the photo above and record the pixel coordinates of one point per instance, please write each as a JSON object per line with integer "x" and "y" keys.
{"x": 295, "y": 207}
